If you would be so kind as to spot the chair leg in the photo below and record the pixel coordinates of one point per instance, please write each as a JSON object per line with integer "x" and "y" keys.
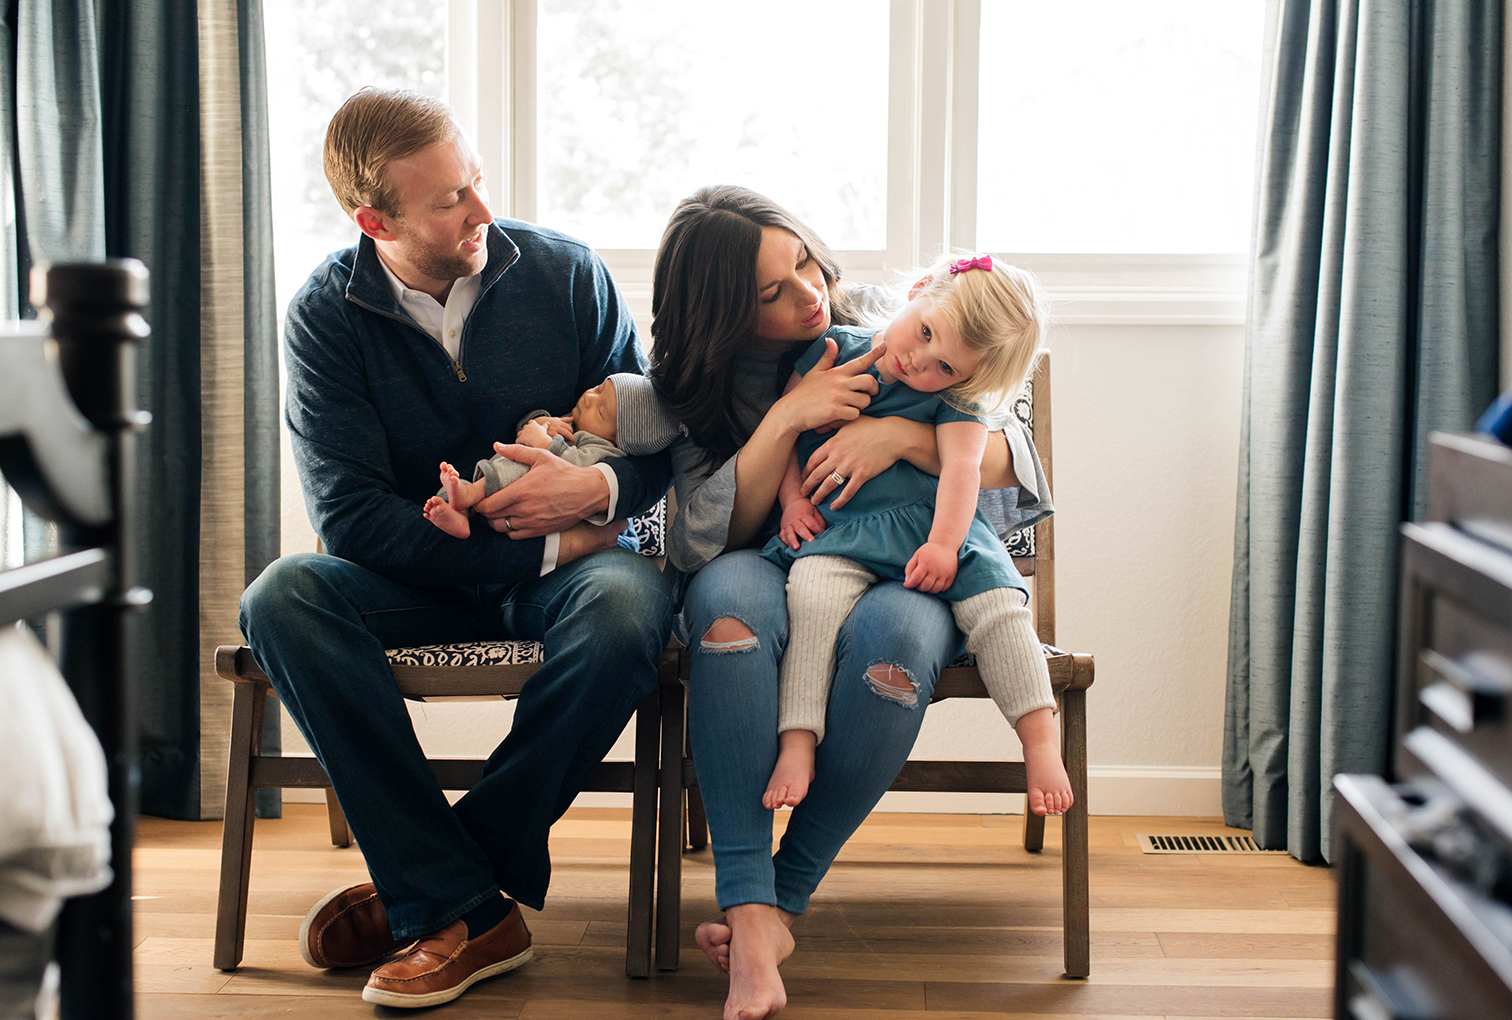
{"x": 248, "y": 705}
{"x": 669, "y": 848}
{"x": 698, "y": 822}
{"x": 340, "y": 834}
{"x": 1076, "y": 936}
{"x": 1034, "y": 829}
{"x": 642, "y": 840}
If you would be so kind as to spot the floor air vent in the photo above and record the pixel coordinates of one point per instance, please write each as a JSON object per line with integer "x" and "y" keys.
{"x": 1200, "y": 845}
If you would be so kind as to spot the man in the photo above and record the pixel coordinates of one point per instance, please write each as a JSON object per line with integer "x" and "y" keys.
{"x": 426, "y": 342}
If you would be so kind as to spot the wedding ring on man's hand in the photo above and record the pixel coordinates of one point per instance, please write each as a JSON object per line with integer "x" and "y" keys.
{"x": 507, "y": 525}
{"x": 837, "y": 478}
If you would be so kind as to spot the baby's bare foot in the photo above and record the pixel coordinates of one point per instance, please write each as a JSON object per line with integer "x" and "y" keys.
{"x": 714, "y": 939}
{"x": 759, "y": 942}
{"x": 441, "y": 513}
{"x": 456, "y": 489}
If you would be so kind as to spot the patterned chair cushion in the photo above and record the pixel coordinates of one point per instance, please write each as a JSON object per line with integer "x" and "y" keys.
{"x": 651, "y": 528}
{"x": 473, "y": 653}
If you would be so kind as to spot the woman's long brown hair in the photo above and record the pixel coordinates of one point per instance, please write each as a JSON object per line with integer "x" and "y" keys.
{"x": 703, "y": 305}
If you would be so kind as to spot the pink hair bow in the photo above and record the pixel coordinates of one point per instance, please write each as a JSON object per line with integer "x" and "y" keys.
{"x": 980, "y": 262}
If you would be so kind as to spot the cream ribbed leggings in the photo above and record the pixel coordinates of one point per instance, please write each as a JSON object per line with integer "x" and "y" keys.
{"x": 822, "y": 591}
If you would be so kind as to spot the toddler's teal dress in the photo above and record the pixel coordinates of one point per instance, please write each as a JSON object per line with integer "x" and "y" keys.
{"x": 890, "y": 518}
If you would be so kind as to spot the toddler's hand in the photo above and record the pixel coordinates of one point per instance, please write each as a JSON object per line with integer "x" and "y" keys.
{"x": 801, "y": 521}
{"x": 932, "y": 569}
{"x": 534, "y": 433}
{"x": 553, "y": 426}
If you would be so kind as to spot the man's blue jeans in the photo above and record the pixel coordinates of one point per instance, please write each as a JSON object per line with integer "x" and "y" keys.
{"x": 318, "y": 626}
{"x": 732, "y": 722}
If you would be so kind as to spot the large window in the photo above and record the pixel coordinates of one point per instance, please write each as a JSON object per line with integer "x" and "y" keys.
{"x": 1108, "y": 126}
{"x": 1109, "y": 145}
{"x": 643, "y": 101}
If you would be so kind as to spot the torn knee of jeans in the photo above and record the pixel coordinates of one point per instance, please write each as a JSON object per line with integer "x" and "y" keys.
{"x": 893, "y": 684}
{"x": 728, "y": 634}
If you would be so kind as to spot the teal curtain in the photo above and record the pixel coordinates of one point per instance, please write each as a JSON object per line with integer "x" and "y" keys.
{"x": 102, "y": 156}
{"x": 1372, "y": 322}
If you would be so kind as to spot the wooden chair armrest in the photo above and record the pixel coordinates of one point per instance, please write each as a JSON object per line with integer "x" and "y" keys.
{"x": 235, "y": 663}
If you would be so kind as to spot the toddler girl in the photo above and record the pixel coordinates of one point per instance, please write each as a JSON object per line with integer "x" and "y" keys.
{"x": 963, "y": 344}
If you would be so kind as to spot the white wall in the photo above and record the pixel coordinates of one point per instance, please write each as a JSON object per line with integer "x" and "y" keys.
{"x": 1146, "y": 447}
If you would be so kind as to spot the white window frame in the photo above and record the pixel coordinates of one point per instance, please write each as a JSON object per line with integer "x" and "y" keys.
{"x": 931, "y": 168}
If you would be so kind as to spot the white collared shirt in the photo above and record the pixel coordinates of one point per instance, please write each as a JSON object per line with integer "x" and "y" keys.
{"x": 443, "y": 323}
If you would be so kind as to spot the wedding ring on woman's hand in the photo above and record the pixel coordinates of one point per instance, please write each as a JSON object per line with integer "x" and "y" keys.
{"x": 837, "y": 478}
{"x": 507, "y": 525}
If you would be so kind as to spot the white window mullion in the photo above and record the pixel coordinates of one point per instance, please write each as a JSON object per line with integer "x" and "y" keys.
{"x": 902, "y": 118}
{"x": 521, "y": 107}
{"x": 492, "y": 90}
{"x": 920, "y": 129}
{"x": 965, "y": 82}
{"x": 462, "y": 62}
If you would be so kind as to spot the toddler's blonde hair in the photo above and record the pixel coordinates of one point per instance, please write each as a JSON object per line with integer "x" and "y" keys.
{"x": 1000, "y": 315}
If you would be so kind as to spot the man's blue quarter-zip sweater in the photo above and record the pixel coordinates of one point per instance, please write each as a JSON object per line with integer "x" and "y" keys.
{"x": 374, "y": 404}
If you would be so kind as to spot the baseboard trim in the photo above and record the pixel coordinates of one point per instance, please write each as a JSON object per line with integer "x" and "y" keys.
{"x": 1111, "y": 790}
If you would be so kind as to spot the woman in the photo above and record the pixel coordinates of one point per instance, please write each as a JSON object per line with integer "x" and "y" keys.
{"x": 741, "y": 288}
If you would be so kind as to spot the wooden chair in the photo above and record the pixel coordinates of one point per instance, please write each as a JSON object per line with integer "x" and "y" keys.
{"x": 1070, "y": 676}
{"x": 483, "y": 671}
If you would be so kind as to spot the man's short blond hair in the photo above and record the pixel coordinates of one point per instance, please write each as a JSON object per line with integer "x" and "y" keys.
{"x": 371, "y": 130}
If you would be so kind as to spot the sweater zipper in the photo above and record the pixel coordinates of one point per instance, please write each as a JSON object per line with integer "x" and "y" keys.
{"x": 455, "y": 363}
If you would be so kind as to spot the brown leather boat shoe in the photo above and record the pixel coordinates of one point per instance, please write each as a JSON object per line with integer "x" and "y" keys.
{"x": 348, "y": 928}
{"x": 447, "y": 963}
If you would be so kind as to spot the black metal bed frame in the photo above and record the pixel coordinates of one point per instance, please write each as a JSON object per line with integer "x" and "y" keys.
{"x": 67, "y": 418}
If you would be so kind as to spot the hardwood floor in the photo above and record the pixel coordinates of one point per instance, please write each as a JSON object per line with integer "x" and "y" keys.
{"x": 938, "y": 916}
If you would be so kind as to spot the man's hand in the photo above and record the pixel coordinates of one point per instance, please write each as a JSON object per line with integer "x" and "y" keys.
{"x": 553, "y": 496}
{"x": 801, "y": 521}
{"x": 932, "y": 569}
{"x": 553, "y": 426}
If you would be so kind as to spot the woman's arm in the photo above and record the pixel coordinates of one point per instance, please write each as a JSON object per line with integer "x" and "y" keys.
{"x": 828, "y": 392}
{"x": 933, "y": 567}
{"x": 866, "y": 447}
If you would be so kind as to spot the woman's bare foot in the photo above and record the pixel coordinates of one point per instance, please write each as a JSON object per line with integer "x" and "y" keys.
{"x": 794, "y": 771}
{"x": 714, "y": 939}
{"x": 1045, "y": 773}
{"x": 444, "y": 516}
{"x": 759, "y": 942}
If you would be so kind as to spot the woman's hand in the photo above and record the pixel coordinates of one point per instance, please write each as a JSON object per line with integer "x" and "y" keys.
{"x": 859, "y": 451}
{"x": 801, "y": 521}
{"x": 830, "y": 392}
{"x": 932, "y": 569}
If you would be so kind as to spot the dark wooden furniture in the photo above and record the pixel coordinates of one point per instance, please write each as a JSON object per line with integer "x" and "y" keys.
{"x": 428, "y": 674}
{"x": 250, "y": 771}
{"x": 1070, "y": 676}
{"x": 67, "y": 386}
{"x": 1425, "y": 865}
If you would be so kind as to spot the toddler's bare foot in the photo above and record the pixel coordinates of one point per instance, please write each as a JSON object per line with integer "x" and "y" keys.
{"x": 444, "y": 516}
{"x": 457, "y": 493}
{"x": 1049, "y": 786}
{"x": 759, "y": 942}
{"x": 714, "y": 939}
{"x": 794, "y": 772}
